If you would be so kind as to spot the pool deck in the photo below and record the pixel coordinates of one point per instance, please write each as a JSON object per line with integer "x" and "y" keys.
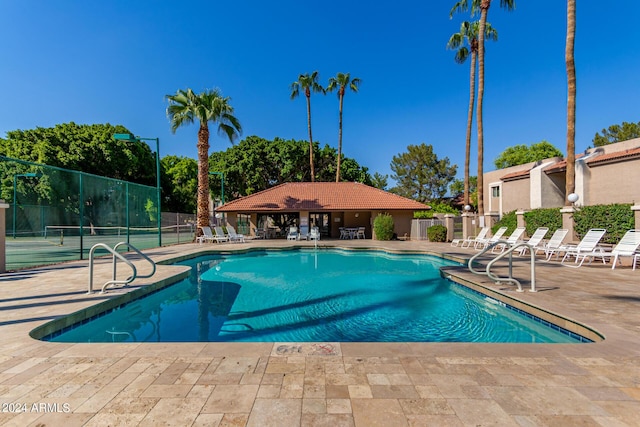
{"x": 324, "y": 384}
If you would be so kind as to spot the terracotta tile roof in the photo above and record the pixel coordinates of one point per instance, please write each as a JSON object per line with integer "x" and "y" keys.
{"x": 615, "y": 156}
{"x": 515, "y": 175}
{"x": 321, "y": 196}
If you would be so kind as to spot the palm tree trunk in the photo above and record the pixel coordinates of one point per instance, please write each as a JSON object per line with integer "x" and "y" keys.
{"x": 571, "y": 100}
{"x": 467, "y": 152}
{"x": 203, "y": 216}
{"x": 484, "y": 8}
{"x": 339, "y": 138}
{"x": 313, "y": 173}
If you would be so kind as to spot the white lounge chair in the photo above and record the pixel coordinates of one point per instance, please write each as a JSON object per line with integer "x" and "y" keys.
{"x": 314, "y": 234}
{"x": 486, "y": 242}
{"x": 534, "y": 240}
{"x": 553, "y": 244}
{"x": 588, "y": 244}
{"x": 233, "y": 236}
{"x": 627, "y": 246}
{"x": 293, "y": 233}
{"x": 514, "y": 238}
{"x": 207, "y": 235}
{"x": 471, "y": 240}
{"x": 219, "y": 235}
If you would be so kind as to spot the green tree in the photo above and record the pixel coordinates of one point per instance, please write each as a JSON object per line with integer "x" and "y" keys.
{"x": 617, "y": 133}
{"x": 420, "y": 175}
{"x": 483, "y": 6}
{"x": 457, "y": 187}
{"x": 380, "y": 181}
{"x": 180, "y": 181}
{"x": 184, "y": 108}
{"x": 341, "y": 82}
{"x": 571, "y": 101}
{"x": 521, "y": 154}
{"x": 85, "y": 148}
{"x": 469, "y": 33}
{"x": 308, "y": 83}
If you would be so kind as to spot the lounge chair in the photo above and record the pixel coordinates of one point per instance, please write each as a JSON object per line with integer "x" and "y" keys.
{"x": 471, "y": 240}
{"x": 481, "y": 244}
{"x": 588, "y": 244}
{"x": 233, "y": 236}
{"x": 514, "y": 238}
{"x": 534, "y": 240}
{"x": 314, "y": 234}
{"x": 553, "y": 244}
{"x": 627, "y": 246}
{"x": 293, "y": 233}
{"x": 207, "y": 235}
{"x": 219, "y": 235}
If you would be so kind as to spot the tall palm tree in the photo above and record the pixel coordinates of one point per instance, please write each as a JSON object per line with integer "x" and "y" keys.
{"x": 308, "y": 83}
{"x": 341, "y": 82}
{"x": 185, "y": 107}
{"x": 469, "y": 33}
{"x": 571, "y": 100}
{"x": 483, "y": 6}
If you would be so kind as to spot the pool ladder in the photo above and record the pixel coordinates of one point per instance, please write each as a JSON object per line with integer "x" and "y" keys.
{"x": 116, "y": 255}
{"x": 509, "y": 252}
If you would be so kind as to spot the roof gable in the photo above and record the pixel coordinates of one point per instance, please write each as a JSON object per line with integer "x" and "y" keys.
{"x": 321, "y": 196}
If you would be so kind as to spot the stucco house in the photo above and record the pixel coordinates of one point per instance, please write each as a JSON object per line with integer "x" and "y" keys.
{"x": 327, "y": 205}
{"x": 604, "y": 175}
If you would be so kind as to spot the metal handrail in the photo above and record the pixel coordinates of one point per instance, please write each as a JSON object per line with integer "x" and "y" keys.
{"x": 113, "y": 281}
{"x": 130, "y": 246}
{"x": 509, "y": 252}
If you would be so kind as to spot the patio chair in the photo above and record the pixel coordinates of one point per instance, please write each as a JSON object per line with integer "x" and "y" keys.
{"x": 514, "y": 238}
{"x": 481, "y": 244}
{"x": 293, "y": 233}
{"x": 465, "y": 243}
{"x": 588, "y": 244}
{"x": 219, "y": 235}
{"x": 207, "y": 235}
{"x": 549, "y": 248}
{"x": 534, "y": 240}
{"x": 233, "y": 236}
{"x": 314, "y": 234}
{"x": 627, "y": 246}
{"x": 259, "y": 234}
{"x": 360, "y": 233}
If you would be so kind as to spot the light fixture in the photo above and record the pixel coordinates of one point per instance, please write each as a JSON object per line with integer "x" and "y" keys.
{"x": 573, "y": 197}
{"x": 467, "y": 208}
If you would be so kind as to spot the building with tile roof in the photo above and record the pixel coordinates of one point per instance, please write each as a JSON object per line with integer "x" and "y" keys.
{"x": 327, "y": 205}
{"x": 604, "y": 175}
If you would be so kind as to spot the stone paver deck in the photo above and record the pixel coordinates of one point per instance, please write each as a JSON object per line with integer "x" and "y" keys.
{"x": 356, "y": 384}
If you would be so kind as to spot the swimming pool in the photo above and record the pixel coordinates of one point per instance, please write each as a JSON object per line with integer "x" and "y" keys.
{"x": 314, "y": 296}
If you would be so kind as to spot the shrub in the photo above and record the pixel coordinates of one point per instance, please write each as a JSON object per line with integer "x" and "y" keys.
{"x": 383, "y": 227}
{"x": 615, "y": 218}
{"x": 437, "y": 233}
{"x": 550, "y": 218}
{"x": 423, "y": 214}
{"x": 440, "y": 207}
{"x": 508, "y": 220}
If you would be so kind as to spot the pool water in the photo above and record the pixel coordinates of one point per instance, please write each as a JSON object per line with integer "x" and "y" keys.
{"x": 314, "y": 296}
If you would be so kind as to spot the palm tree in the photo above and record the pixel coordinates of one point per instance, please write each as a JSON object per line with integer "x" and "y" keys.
{"x": 483, "y": 5}
{"x": 341, "y": 82}
{"x": 469, "y": 33}
{"x": 184, "y": 108}
{"x": 308, "y": 83}
{"x": 571, "y": 100}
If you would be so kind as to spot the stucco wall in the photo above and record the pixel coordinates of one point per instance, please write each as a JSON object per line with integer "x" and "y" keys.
{"x": 515, "y": 195}
{"x": 614, "y": 183}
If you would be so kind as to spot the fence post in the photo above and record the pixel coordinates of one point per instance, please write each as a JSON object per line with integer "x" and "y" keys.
{"x": 3, "y": 235}
{"x": 636, "y": 211}
{"x": 448, "y": 222}
{"x": 490, "y": 219}
{"x": 568, "y": 223}
{"x": 468, "y": 225}
{"x": 520, "y": 222}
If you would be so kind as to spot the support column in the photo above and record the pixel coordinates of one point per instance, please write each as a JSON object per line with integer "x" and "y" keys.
{"x": 490, "y": 219}
{"x": 469, "y": 223}
{"x": 3, "y": 234}
{"x": 520, "y": 222}
{"x": 636, "y": 215}
{"x": 568, "y": 223}
{"x": 448, "y": 222}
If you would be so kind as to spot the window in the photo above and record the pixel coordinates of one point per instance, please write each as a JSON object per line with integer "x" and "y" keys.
{"x": 495, "y": 191}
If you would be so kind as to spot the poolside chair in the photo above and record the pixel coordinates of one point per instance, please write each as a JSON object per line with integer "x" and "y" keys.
{"x": 514, "y": 238}
{"x": 314, "y": 234}
{"x": 481, "y": 244}
{"x": 588, "y": 244}
{"x": 627, "y": 246}
{"x": 207, "y": 235}
{"x": 534, "y": 240}
{"x": 219, "y": 235}
{"x": 360, "y": 233}
{"x": 471, "y": 240}
{"x": 259, "y": 234}
{"x": 293, "y": 233}
{"x": 553, "y": 244}
{"x": 233, "y": 236}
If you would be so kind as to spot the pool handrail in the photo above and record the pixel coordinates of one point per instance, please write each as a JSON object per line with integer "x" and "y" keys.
{"x": 113, "y": 281}
{"x": 509, "y": 252}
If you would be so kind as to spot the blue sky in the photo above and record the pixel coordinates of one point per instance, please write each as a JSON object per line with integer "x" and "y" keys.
{"x": 114, "y": 61}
